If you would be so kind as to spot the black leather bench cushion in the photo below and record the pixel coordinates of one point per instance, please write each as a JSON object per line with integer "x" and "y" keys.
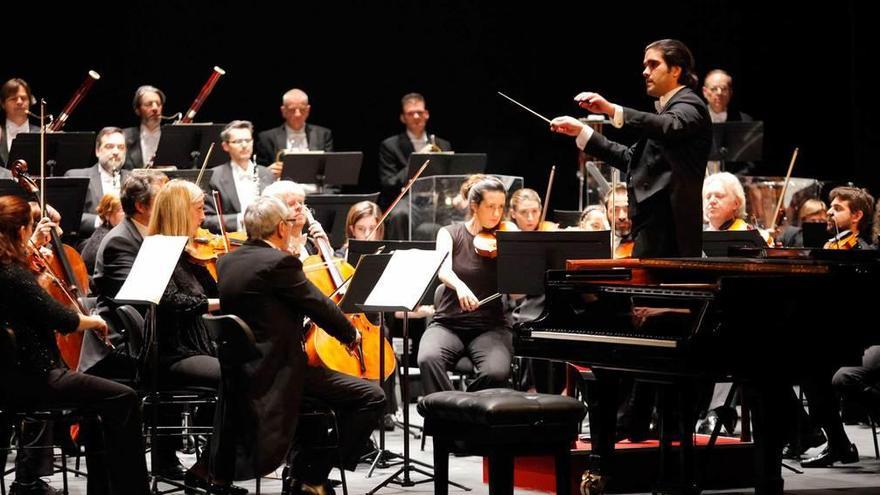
{"x": 495, "y": 407}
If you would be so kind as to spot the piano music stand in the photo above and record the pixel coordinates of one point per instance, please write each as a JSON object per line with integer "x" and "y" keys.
{"x": 184, "y": 145}
{"x": 525, "y": 257}
{"x": 719, "y": 243}
{"x": 64, "y": 151}
{"x": 322, "y": 168}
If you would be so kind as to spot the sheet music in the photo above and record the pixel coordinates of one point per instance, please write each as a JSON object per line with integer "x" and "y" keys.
{"x": 406, "y": 277}
{"x": 152, "y": 269}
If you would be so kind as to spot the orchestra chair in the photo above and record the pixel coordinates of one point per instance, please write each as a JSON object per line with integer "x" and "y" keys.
{"x": 236, "y": 345}
{"x": 12, "y": 416}
{"x": 501, "y": 424}
{"x": 157, "y": 395}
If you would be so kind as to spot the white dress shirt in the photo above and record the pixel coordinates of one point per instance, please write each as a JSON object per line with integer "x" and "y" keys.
{"x": 13, "y": 129}
{"x": 149, "y": 143}
{"x": 296, "y": 140}
{"x": 246, "y": 187}
{"x": 417, "y": 142}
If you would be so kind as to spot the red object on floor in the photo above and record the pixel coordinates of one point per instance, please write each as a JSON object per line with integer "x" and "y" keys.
{"x": 538, "y": 472}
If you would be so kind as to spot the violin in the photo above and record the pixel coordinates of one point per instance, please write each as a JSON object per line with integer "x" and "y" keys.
{"x": 624, "y": 249}
{"x": 329, "y": 275}
{"x": 851, "y": 241}
{"x": 485, "y": 242}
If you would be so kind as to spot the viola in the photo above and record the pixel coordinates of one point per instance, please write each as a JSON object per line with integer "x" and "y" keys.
{"x": 624, "y": 249}
{"x": 485, "y": 242}
{"x": 330, "y": 275}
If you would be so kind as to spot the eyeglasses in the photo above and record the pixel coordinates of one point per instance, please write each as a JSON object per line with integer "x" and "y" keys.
{"x": 415, "y": 113}
{"x": 302, "y": 109}
{"x": 290, "y": 220}
{"x": 241, "y": 142}
{"x": 718, "y": 89}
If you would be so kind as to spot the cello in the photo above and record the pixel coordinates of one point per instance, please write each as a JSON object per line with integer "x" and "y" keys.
{"x": 330, "y": 276}
{"x": 66, "y": 276}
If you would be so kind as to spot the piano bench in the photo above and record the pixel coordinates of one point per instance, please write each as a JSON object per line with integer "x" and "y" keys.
{"x": 501, "y": 424}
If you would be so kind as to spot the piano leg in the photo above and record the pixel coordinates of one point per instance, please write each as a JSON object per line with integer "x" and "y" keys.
{"x": 767, "y": 419}
{"x": 602, "y": 402}
{"x": 677, "y": 403}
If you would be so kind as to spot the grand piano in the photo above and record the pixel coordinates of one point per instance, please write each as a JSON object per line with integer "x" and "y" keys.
{"x": 767, "y": 321}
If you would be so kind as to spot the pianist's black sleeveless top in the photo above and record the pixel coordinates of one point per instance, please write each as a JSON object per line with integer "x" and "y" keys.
{"x": 481, "y": 275}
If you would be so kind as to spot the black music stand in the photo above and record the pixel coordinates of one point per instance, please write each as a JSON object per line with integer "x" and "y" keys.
{"x": 567, "y": 218}
{"x": 64, "y": 151}
{"x": 322, "y": 168}
{"x": 190, "y": 175}
{"x": 65, "y": 194}
{"x": 737, "y": 142}
{"x": 448, "y": 163}
{"x": 720, "y": 243}
{"x": 184, "y": 145}
{"x": 331, "y": 210}
{"x": 525, "y": 257}
{"x": 815, "y": 234}
{"x": 397, "y": 282}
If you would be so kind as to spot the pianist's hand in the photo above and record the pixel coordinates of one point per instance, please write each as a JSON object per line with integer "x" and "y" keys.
{"x": 466, "y": 298}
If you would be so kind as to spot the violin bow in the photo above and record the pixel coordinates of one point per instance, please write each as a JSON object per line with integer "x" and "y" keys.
{"x": 547, "y": 195}
{"x": 784, "y": 189}
{"x": 399, "y": 197}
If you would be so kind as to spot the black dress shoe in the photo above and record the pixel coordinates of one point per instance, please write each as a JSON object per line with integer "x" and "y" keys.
{"x": 172, "y": 471}
{"x": 193, "y": 480}
{"x": 829, "y": 456}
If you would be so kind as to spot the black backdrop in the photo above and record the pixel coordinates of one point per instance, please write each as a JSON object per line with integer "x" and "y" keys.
{"x": 804, "y": 72}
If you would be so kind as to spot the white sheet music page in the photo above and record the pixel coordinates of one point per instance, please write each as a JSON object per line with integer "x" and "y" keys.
{"x": 152, "y": 269}
{"x": 406, "y": 277}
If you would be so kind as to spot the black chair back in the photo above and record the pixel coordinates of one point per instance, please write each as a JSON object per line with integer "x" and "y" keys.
{"x": 235, "y": 339}
{"x": 133, "y": 322}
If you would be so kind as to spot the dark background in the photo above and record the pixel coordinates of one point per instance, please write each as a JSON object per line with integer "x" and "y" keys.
{"x": 805, "y": 72}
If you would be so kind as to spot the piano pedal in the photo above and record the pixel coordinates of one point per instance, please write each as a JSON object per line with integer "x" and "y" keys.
{"x": 592, "y": 483}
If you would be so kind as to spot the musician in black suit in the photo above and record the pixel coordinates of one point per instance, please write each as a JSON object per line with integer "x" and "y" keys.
{"x": 664, "y": 175}
{"x": 105, "y": 177}
{"x": 665, "y": 168}
{"x": 265, "y": 286}
{"x": 239, "y": 180}
{"x": 718, "y": 91}
{"x": 120, "y": 246}
{"x": 142, "y": 141}
{"x": 394, "y": 155}
{"x": 16, "y": 97}
{"x": 295, "y": 134}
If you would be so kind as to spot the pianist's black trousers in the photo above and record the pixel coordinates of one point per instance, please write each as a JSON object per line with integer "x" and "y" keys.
{"x": 441, "y": 347}
{"x": 116, "y": 465}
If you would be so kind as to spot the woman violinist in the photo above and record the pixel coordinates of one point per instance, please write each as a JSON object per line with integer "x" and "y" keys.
{"x": 186, "y": 353}
{"x": 360, "y": 223}
{"x": 525, "y": 209}
{"x": 462, "y": 326}
{"x": 38, "y": 377}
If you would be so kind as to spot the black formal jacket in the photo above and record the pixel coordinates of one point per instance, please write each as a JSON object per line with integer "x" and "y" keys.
{"x": 116, "y": 255}
{"x": 93, "y": 196}
{"x": 223, "y": 181}
{"x": 669, "y": 159}
{"x": 4, "y": 153}
{"x": 270, "y": 142}
{"x": 268, "y": 290}
{"x": 394, "y": 155}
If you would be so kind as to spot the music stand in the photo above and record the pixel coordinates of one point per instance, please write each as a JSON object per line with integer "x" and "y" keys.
{"x": 525, "y": 257}
{"x": 737, "y": 142}
{"x": 397, "y": 282}
{"x": 322, "y": 168}
{"x": 567, "y": 218}
{"x": 190, "y": 175}
{"x": 64, "y": 151}
{"x": 65, "y": 194}
{"x": 815, "y": 234}
{"x": 184, "y": 145}
{"x": 331, "y": 211}
{"x": 719, "y": 243}
{"x": 144, "y": 286}
{"x": 447, "y": 163}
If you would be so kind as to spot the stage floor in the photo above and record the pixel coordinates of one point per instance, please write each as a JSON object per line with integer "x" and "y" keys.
{"x": 860, "y": 478}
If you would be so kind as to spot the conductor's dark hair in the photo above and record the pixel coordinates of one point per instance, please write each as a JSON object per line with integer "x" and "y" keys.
{"x": 676, "y": 54}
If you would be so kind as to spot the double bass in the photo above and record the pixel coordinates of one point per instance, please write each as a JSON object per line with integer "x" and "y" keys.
{"x": 330, "y": 276}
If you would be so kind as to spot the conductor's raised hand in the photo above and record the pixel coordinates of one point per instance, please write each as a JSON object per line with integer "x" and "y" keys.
{"x": 594, "y": 102}
{"x": 566, "y": 125}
